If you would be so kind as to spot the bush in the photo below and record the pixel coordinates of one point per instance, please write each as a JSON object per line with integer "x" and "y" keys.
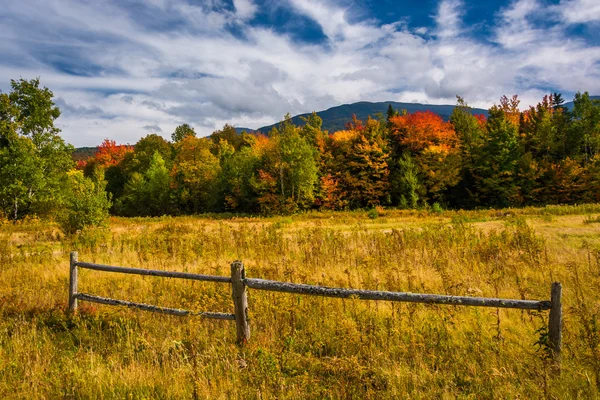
{"x": 87, "y": 202}
{"x": 373, "y": 213}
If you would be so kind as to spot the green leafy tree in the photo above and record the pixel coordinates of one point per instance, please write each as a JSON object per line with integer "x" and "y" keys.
{"x": 238, "y": 173}
{"x": 33, "y": 157}
{"x": 181, "y": 132}
{"x": 21, "y": 177}
{"x": 145, "y": 148}
{"x": 586, "y": 125}
{"x": 289, "y": 162}
{"x": 312, "y": 130}
{"x": 147, "y": 194}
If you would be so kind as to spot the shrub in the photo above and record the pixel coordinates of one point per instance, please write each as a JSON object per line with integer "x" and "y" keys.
{"x": 87, "y": 202}
{"x": 373, "y": 213}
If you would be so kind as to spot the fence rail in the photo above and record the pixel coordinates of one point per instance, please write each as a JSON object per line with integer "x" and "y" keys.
{"x": 239, "y": 284}
{"x": 148, "y": 307}
{"x": 311, "y": 290}
{"x": 154, "y": 272}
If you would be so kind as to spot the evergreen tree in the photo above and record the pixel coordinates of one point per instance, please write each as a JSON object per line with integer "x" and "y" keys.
{"x": 495, "y": 163}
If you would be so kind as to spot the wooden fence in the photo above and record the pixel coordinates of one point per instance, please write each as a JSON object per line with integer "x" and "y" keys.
{"x": 240, "y": 284}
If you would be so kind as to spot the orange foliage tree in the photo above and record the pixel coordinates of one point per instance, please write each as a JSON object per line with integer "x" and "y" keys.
{"x": 435, "y": 147}
{"x": 110, "y": 153}
{"x": 357, "y": 171}
{"x": 511, "y": 109}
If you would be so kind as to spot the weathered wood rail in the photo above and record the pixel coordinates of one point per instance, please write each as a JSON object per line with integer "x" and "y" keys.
{"x": 240, "y": 284}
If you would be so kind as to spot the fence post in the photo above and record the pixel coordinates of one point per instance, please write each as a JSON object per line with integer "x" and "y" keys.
{"x": 73, "y": 282}
{"x": 555, "y": 325}
{"x": 240, "y": 302}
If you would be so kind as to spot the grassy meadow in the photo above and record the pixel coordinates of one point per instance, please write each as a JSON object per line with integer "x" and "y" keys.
{"x": 305, "y": 347}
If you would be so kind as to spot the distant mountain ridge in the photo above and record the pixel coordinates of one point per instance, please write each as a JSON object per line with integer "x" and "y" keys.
{"x": 335, "y": 118}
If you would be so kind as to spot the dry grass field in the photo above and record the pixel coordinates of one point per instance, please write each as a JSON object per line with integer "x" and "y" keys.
{"x": 305, "y": 347}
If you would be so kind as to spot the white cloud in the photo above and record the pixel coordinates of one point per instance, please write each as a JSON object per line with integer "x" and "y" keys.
{"x": 580, "y": 11}
{"x": 198, "y": 72}
{"x": 449, "y": 18}
{"x": 245, "y": 9}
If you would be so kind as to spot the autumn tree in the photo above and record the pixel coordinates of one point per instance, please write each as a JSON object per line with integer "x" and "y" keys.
{"x": 435, "y": 147}
{"x": 194, "y": 173}
{"x": 288, "y": 172}
{"x": 109, "y": 153}
{"x": 510, "y": 107}
{"x": 357, "y": 168}
{"x": 229, "y": 134}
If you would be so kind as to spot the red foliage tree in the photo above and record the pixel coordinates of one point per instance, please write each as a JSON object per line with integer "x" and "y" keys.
{"x": 422, "y": 130}
{"x": 110, "y": 153}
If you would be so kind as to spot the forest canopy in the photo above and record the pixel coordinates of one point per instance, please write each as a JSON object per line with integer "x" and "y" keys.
{"x": 546, "y": 154}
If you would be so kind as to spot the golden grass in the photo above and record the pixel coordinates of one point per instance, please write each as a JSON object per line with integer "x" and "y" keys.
{"x": 305, "y": 347}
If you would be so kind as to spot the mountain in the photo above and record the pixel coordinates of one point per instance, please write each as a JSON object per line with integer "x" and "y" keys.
{"x": 83, "y": 153}
{"x": 240, "y": 130}
{"x": 335, "y": 118}
{"x": 570, "y": 104}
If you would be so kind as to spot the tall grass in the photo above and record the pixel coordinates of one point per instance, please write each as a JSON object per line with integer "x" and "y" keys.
{"x": 304, "y": 347}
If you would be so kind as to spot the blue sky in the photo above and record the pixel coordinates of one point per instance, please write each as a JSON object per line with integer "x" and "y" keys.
{"x": 121, "y": 69}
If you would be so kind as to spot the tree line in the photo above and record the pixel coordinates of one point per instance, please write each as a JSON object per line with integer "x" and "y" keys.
{"x": 546, "y": 154}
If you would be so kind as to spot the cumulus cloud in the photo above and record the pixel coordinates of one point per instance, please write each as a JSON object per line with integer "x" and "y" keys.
{"x": 121, "y": 68}
{"x": 245, "y": 9}
{"x": 580, "y": 11}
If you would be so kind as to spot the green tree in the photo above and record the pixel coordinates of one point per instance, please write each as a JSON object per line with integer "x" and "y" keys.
{"x": 289, "y": 171}
{"x": 238, "y": 173}
{"x": 495, "y": 164}
{"x": 471, "y": 132}
{"x": 312, "y": 130}
{"x": 33, "y": 157}
{"x": 405, "y": 182}
{"x": 181, "y": 132}
{"x": 586, "y": 125}
{"x": 21, "y": 177}
{"x": 145, "y": 148}
{"x": 147, "y": 194}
